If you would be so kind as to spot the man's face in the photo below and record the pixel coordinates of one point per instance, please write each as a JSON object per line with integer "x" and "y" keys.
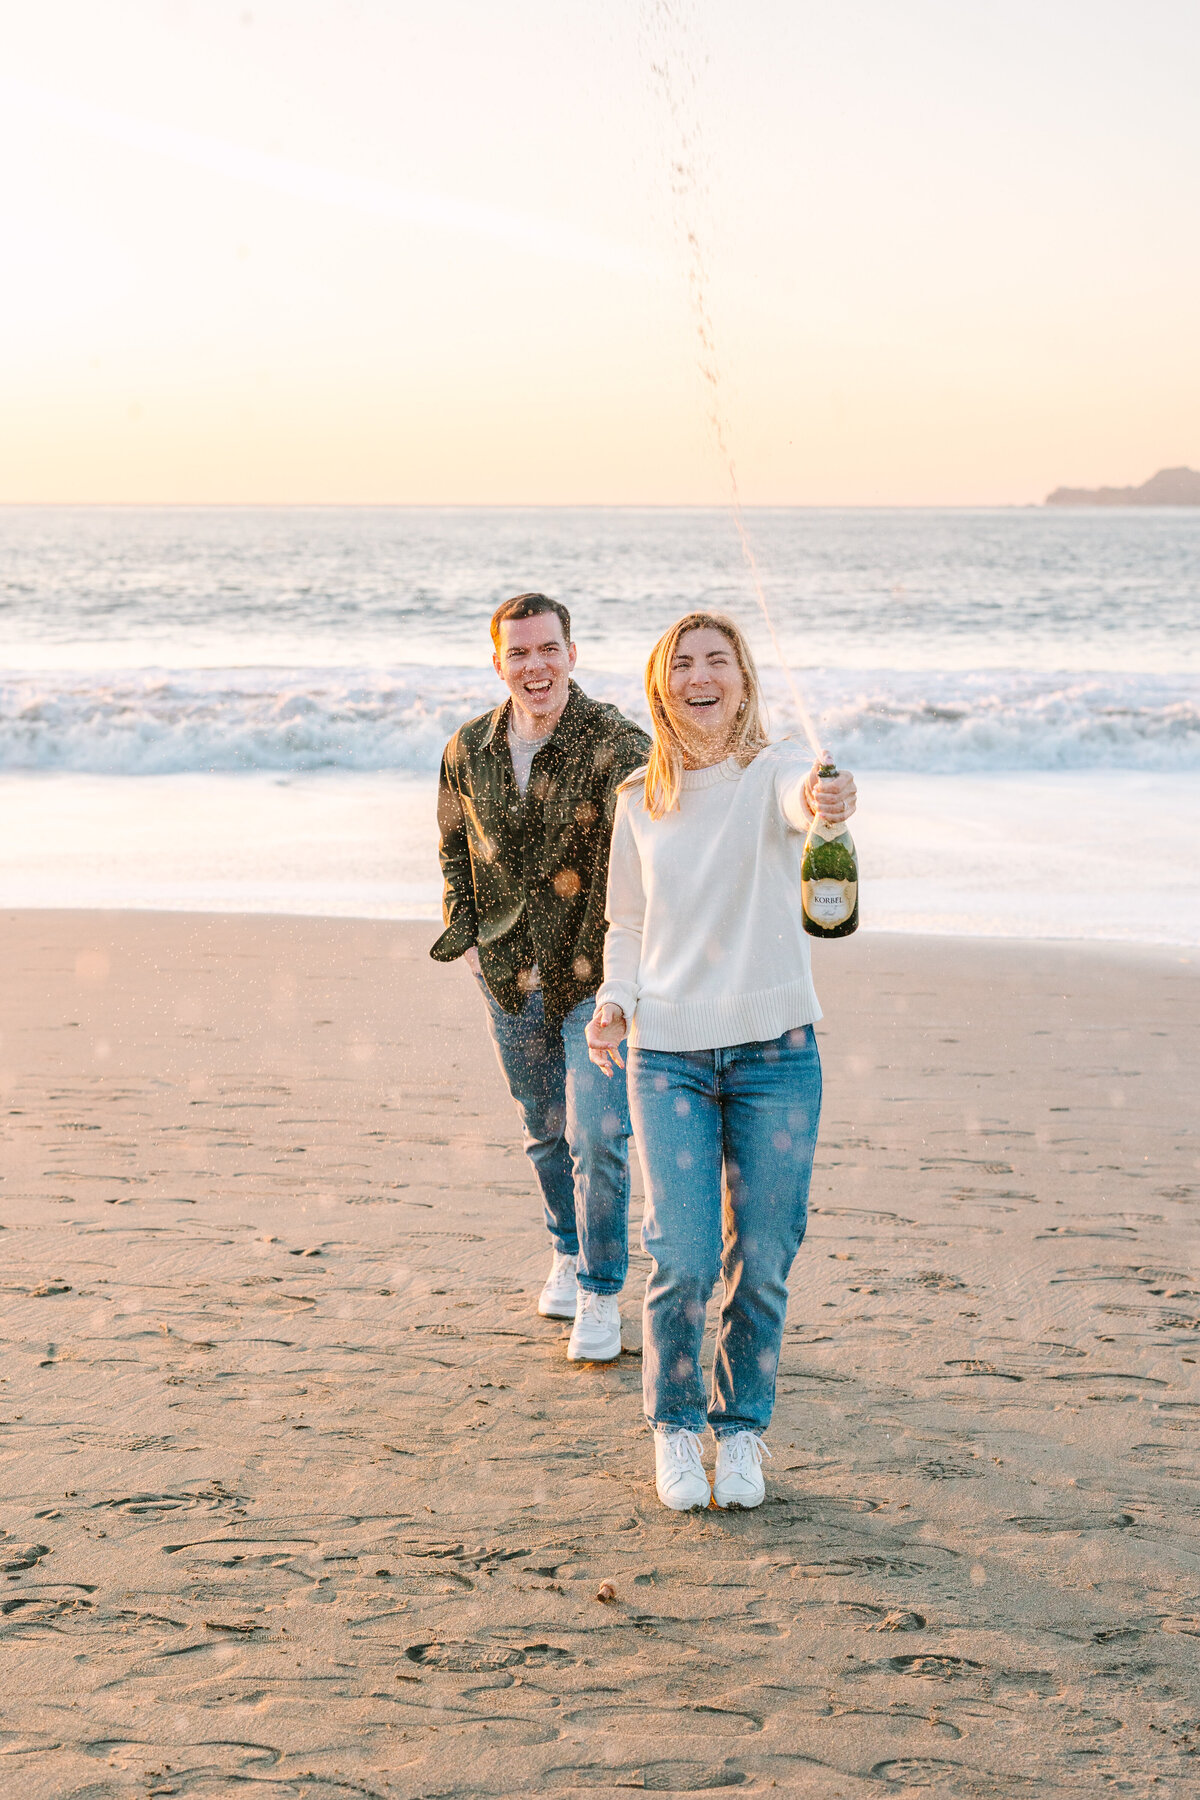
{"x": 534, "y": 662}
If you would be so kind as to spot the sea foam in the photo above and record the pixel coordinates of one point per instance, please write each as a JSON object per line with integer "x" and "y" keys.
{"x": 155, "y": 722}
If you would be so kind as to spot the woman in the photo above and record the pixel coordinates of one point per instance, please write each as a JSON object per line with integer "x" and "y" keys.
{"x": 706, "y": 967}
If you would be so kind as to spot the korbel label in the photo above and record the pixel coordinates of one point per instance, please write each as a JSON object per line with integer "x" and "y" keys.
{"x": 829, "y": 902}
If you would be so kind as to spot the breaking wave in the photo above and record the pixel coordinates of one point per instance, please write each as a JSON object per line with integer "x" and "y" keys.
{"x": 174, "y": 721}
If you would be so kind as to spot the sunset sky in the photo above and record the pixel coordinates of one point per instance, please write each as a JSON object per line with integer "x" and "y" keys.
{"x": 408, "y": 252}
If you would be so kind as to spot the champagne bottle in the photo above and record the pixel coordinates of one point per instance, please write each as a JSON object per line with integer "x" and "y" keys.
{"x": 829, "y": 877}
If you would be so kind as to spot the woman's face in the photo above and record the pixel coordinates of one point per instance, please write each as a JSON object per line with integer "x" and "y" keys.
{"x": 705, "y": 686}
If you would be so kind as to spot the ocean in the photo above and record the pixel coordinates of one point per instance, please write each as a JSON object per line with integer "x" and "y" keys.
{"x": 243, "y": 709}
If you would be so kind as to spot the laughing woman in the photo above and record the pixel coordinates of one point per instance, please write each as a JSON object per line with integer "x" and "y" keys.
{"x": 706, "y": 968}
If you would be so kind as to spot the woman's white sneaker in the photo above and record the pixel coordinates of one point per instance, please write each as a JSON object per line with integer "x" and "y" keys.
{"x": 738, "y": 1480}
{"x": 678, "y": 1471}
{"x": 561, "y": 1290}
{"x": 596, "y": 1335}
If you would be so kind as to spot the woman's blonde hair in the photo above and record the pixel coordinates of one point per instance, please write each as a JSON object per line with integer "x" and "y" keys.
{"x": 664, "y": 769}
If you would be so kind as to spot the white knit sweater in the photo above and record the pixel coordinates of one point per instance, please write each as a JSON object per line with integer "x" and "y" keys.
{"x": 706, "y": 945}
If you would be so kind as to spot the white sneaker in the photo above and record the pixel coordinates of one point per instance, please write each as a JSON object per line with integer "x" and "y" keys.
{"x": 738, "y": 1480}
{"x": 678, "y": 1471}
{"x": 561, "y": 1291}
{"x": 596, "y": 1336}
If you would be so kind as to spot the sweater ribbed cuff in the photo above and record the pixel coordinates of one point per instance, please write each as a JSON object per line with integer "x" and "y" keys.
{"x": 618, "y": 993}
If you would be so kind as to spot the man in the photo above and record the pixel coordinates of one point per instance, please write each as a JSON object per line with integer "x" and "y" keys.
{"x": 525, "y": 809}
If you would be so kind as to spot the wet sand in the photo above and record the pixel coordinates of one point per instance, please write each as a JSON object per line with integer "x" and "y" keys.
{"x": 298, "y": 1497}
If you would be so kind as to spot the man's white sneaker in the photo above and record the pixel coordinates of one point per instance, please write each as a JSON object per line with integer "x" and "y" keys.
{"x": 738, "y": 1480}
{"x": 596, "y": 1336}
{"x": 561, "y": 1292}
{"x": 678, "y": 1471}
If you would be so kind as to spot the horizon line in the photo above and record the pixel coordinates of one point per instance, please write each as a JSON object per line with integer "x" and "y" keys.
{"x": 571, "y": 506}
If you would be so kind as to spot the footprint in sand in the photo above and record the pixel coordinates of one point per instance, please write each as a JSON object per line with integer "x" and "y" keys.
{"x": 15, "y": 1557}
{"x": 654, "y": 1777}
{"x": 932, "y": 1772}
{"x": 476, "y": 1659}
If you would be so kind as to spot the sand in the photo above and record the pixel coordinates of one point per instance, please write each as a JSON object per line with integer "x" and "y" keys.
{"x": 300, "y": 1498}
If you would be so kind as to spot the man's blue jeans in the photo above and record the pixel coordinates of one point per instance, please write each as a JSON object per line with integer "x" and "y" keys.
{"x": 753, "y": 1108}
{"x": 576, "y": 1124}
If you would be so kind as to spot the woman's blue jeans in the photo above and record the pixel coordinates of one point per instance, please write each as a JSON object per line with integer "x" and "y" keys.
{"x": 752, "y": 1111}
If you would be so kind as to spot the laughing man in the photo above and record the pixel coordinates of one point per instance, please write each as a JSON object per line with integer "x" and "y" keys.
{"x": 525, "y": 809}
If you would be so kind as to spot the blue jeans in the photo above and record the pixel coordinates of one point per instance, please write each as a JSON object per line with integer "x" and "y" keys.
{"x": 753, "y": 1108}
{"x": 576, "y": 1124}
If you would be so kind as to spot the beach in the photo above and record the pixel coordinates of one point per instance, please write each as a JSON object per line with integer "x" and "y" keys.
{"x": 278, "y": 1516}
{"x": 415, "y": 422}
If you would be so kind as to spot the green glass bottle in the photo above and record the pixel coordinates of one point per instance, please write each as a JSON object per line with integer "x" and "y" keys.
{"x": 829, "y": 878}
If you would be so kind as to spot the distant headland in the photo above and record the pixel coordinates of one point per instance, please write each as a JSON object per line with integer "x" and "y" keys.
{"x": 1170, "y": 487}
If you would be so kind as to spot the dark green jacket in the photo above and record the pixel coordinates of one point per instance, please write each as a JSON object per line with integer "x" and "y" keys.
{"x": 526, "y": 879}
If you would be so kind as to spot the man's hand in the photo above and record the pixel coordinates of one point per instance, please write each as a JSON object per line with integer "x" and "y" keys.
{"x": 604, "y": 1032}
{"x": 471, "y": 958}
{"x": 830, "y": 797}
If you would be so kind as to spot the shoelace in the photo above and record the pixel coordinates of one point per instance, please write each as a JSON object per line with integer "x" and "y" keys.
{"x": 683, "y": 1447}
{"x": 746, "y": 1447}
{"x": 590, "y": 1302}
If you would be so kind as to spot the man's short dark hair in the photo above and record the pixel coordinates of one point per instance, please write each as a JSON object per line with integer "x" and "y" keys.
{"x": 529, "y": 606}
